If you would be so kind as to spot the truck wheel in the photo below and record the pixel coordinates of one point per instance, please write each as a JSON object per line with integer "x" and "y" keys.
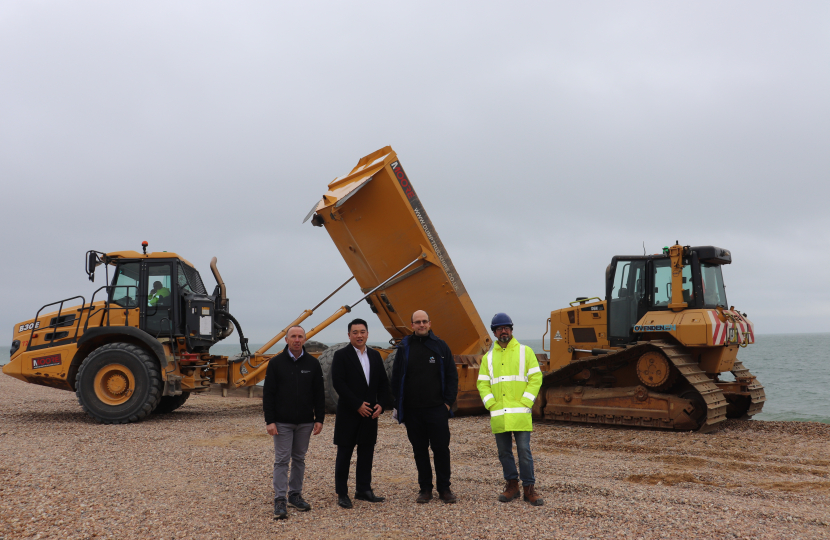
{"x": 389, "y": 363}
{"x": 325, "y": 362}
{"x": 118, "y": 383}
{"x": 168, "y": 404}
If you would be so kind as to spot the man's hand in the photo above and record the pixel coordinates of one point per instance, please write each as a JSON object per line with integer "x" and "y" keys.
{"x": 318, "y": 427}
{"x": 378, "y": 410}
{"x": 271, "y": 429}
{"x": 365, "y": 410}
{"x": 448, "y": 407}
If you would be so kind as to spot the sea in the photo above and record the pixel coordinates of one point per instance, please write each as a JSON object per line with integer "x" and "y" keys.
{"x": 794, "y": 369}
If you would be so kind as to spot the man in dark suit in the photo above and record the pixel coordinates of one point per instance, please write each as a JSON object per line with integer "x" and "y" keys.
{"x": 359, "y": 378}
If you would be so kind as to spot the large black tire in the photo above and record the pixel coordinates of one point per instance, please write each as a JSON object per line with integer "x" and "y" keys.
{"x": 119, "y": 383}
{"x": 389, "y": 363}
{"x": 168, "y": 404}
{"x": 325, "y": 363}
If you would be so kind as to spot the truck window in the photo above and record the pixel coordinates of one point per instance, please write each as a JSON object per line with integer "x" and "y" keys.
{"x": 159, "y": 310}
{"x": 125, "y": 285}
{"x": 158, "y": 284}
{"x": 189, "y": 279}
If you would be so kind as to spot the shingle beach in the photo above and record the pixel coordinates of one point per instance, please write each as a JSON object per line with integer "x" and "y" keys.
{"x": 204, "y": 472}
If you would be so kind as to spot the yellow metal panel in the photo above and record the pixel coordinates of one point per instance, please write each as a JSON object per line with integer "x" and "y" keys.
{"x": 379, "y": 225}
{"x": 153, "y": 255}
{"x": 653, "y": 318}
{"x": 716, "y": 359}
{"x": 692, "y": 328}
{"x": 47, "y": 367}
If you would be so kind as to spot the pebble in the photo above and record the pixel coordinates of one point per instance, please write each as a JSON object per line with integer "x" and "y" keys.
{"x": 204, "y": 472}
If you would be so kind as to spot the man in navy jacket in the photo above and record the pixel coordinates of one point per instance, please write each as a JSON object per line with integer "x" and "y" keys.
{"x": 425, "y": 386}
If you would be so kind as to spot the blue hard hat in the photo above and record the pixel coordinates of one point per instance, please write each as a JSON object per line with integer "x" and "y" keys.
{"x": 501, "y": 319}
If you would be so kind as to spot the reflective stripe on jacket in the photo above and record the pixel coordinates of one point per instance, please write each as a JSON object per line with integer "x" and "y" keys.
{"x": 508, "y": 382}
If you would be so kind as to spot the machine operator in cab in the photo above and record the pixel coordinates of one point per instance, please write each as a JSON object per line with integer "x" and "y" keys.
{"x": 157, "y": 293}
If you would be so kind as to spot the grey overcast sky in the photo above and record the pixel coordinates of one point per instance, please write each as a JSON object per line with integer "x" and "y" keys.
{"x": 542, "y": 137}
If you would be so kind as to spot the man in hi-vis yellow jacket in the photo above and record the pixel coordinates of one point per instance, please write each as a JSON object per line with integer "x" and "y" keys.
{"x": 508, "y": 381}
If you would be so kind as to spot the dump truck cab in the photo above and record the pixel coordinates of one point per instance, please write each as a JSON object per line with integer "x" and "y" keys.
{"x": 166, "y": 297}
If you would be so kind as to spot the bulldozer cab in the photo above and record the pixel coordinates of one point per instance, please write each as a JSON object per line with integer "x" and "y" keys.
{"x": 636, "y": 285}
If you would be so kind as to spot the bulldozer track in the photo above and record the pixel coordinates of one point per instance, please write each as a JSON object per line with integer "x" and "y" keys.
{"x": 706, "y": 391}
{"x": 756, "y": 390}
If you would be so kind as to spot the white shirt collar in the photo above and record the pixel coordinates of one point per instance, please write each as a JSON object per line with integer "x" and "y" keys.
{"x": 364, "y": 361}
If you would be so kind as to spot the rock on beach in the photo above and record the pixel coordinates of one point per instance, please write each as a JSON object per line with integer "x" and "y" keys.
{"x": 204, "y": 472}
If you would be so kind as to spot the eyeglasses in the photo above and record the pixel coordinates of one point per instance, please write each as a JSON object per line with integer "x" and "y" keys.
{"x": 500, "y": 328}
{"x": 420, "y": 322}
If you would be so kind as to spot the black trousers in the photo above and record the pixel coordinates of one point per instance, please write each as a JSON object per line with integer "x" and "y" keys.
{"x": 430, "y": 427}
{"x": 363, "y": 469}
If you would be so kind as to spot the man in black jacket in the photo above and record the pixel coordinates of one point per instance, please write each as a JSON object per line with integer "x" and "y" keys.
{"x": 295, "y": 406}
{"x": 425, "y": 385}
{"x": 360, "y": 380}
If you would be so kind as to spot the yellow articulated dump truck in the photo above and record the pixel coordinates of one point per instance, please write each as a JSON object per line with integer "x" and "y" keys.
{"x": 139, "y": 345}
{"x": 651, "y": 354}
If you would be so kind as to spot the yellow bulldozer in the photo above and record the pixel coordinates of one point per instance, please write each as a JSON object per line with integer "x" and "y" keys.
{"x": 651, "y": 354}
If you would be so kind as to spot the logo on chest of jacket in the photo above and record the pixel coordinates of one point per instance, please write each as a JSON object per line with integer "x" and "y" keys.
{"x": 431, "y": 359}
{"x": 305, "y": 371}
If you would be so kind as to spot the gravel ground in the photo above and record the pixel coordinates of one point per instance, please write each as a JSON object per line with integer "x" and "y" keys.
{"x": 205, "y": 472}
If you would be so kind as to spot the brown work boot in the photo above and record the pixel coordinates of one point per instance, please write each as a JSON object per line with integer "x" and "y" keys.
{"x": 424, "y": 497}
{"x": 531, "y": 496}
{"x": 448, "y": 497}
{"x": 511, "y": 491}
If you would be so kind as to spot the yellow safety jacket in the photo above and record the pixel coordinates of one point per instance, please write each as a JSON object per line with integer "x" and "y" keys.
{"x": 158, "y": 295}
{"x": 508, "y": 382}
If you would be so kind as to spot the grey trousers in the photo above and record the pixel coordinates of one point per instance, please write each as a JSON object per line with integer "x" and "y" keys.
{"x": 291, "y": 444}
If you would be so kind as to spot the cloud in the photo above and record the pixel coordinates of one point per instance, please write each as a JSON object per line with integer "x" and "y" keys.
{"x": 542, "y": 138}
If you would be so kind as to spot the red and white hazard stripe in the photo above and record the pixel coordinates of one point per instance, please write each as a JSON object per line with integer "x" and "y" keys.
{"x": 742, "y": 326}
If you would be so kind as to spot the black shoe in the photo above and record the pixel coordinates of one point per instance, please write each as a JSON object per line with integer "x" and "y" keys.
{"x": 296, "y": 500}
{"x": 280, "y": 511}
{"x": 424, "y": 497}
{"x": 343, "y": 501}
{"x": 368, "y": 496}
{"x": 447, "y": 496}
